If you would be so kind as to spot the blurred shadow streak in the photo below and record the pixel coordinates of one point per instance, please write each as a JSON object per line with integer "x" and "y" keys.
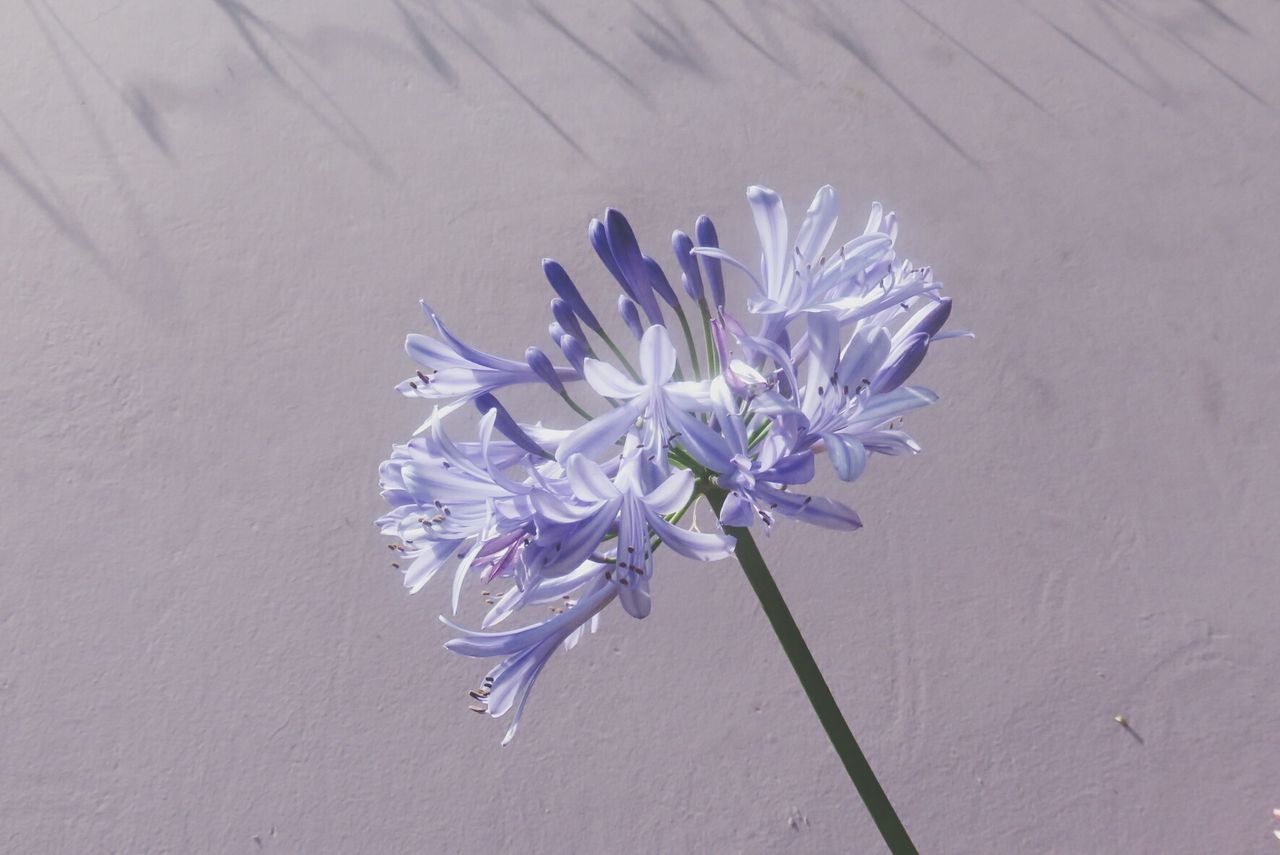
{"x": 71, "y": 230}
{"x": 143, "y": 112}
{"x": 601, "y": 60}
{"x": 1172, "y": 35}
{"x": 995, "y": 72}
{"x": 746, "y": 37}
{"x": 428, "y": 50}
{"x": 1092, "y": 54}
{"x": 511, "y": 84}
{"x": 1165, "y": 87}
{"x": 823, "y": 23}
{"x": 244, "y": 19}
{"x": 679, "y": 48}
{"x": 1217, "y": 12}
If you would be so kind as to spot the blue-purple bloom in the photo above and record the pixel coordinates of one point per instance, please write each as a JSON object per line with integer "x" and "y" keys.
{"x": 570, "y": 517}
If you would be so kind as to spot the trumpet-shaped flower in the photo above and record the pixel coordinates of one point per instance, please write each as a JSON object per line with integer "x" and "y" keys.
{"x": 570, "y": 515}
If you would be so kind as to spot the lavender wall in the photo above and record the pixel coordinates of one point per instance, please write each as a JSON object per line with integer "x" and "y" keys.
{"x": 216, "y": 219}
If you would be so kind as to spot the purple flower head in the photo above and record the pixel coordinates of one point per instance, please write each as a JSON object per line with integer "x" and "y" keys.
{"x": 572, "y": 514}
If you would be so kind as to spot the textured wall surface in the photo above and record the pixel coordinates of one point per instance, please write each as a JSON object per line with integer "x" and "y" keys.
{"x": 216, "y": 219}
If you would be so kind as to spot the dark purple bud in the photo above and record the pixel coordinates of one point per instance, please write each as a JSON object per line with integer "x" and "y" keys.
{"x": 542, "y": 366}
{"x": 567, "y": 291}
{"x": 906, "y": 360}
{"x": 565, "y": 317}
{"x": 658, "y": 280}
{"x": 630, "y": 315}
{"x": 600, "y": 243}
{"x": 626, "y": 252}
{"x": 705, "y": 231}
{"x": 507, "y": 426}
{"x": 682, "y": 245}
{"x": 574, "y": 351}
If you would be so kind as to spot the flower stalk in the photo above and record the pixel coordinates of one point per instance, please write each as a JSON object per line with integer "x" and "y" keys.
{"x": 815, "y": 686}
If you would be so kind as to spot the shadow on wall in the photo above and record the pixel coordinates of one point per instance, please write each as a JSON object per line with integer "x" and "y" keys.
{"x": 418, "y": 33}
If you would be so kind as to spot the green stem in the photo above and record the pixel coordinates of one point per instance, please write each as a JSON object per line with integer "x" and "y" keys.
{"x": 824, "y": 704}
{"x": 574, "y": 406}
{"x": 688, "y": 340}
{"x": 618, "y": 353}
{"x": 713, "y": 358}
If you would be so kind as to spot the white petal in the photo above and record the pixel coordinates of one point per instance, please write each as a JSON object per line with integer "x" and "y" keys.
{"x": 609, "y": 381}
{"x": 771, "y": 226}
{"x": 657, "y": 355}
{"x": 601, "y": 432}
{"x": 819, "y": 223}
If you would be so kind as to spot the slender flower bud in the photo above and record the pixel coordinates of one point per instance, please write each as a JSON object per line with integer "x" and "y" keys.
{"x": 507, "y": 426}
{"x": 658, "y": 280}
{"x": 691, "y": 278}
{"x": 567, "y": 291}
{"x": 706, "y": 234}
{"x": 901, "y": 364}
{"x": 563, "y": 313}
{"x": 626, "y": 252}
{"x": 630, "y": 315}
{"x": 599, "y": 238}
{"x": 542, "y": 366}
{"x": 574, "y": 351}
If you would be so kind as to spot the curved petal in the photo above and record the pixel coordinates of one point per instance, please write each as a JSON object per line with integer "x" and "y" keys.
{"x": 429, "y": 560}
{"x": 771, "y": 226}
{"x": 601, "y": 432}
{"x": 819, "y": 223}
{"x": 737, "y": 511}
{"x": 703, "y": 546}
{"x": 635, "y": 596}
{"x": 848, "y": 455}
{"x": 609, "y": 381}
{"x": 588, "y": 480}
{"x": 706, "y": 445}
{"x": 717, "y": 254}
{"x": 672, "y": 494}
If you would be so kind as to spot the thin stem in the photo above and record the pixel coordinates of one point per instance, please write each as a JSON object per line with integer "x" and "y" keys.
{"x": 574, "y": 406}
{"x": 713, "y": 358}
{"x": 824, "y": 703}
{"x": 688, "y": 339}
{"x": 618, "y": 353}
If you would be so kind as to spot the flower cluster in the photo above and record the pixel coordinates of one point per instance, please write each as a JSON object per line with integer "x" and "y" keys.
{"x": 570, "y": 518}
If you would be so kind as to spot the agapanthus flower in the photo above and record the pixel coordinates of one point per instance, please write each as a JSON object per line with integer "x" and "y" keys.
{"x": 813, "y": 364}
